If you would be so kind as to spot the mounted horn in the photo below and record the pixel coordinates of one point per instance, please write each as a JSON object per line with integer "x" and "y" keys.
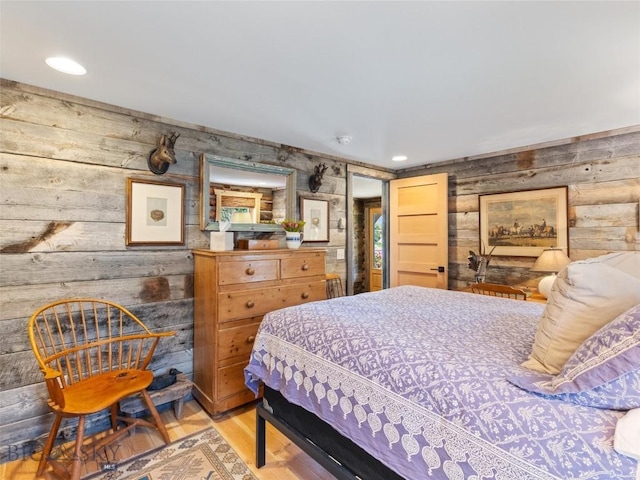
{"x": 160, "y": 158}
{"x": 315, "y": 180}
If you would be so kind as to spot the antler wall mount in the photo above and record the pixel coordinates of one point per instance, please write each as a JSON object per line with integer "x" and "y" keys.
{"x": 315, "y": 180}
{"x": 160, "y": 158}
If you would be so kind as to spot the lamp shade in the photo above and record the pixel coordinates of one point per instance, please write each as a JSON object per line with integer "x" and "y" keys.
{"x": 551, "y": 260}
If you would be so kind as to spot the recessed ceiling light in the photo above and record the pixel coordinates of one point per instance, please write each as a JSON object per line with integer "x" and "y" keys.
{"x": 399, "y": 158}
{"x": 66, "y": 65}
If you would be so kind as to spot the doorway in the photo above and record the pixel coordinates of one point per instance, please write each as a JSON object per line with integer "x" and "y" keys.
{"x": 367, "y": 198}
{"x": 367, "y": 233}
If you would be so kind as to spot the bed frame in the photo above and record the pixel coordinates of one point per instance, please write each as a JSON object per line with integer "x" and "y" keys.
{"x": 337, "y": 454}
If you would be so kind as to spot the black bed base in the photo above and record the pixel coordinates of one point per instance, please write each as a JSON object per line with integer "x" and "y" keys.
{"x": 338, "y": 455}
{"x": 306, "y": 445}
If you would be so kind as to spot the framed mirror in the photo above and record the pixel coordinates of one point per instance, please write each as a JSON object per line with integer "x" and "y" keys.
{"x": 252, "y": 196}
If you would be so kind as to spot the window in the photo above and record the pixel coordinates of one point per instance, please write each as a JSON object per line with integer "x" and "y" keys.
{"x": 378, "y": 226}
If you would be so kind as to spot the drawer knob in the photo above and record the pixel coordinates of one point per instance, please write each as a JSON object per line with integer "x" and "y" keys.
{"x": 251, "y": 339}
{"x": 250, "y": 303}
{"x": 305, "y": 295}
{"x": 305, "y": 267}
{"x": 250, "y": 271}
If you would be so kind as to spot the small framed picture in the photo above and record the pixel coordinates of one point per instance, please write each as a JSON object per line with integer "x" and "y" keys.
{"x": 155, "y": 213}
{"x": 315, "y": 214}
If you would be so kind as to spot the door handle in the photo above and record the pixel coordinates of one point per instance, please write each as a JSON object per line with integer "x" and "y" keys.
{"x": 439, "y": 269}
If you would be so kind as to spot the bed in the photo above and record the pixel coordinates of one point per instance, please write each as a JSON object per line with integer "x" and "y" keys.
{"x": 421, "y": 380}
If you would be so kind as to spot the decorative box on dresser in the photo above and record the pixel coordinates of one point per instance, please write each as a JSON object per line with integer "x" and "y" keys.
{"x": 232, "y": 291}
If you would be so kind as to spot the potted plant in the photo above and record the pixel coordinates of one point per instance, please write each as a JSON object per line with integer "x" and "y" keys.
{"x": 293, "y": 229}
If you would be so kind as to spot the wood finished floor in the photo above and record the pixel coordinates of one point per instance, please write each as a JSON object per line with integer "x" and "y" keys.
{"x": 285, "y": 461}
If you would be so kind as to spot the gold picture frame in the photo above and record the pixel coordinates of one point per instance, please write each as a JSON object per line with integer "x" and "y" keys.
{"x": 155, "y": 213}
{"x": 524, "y": 223}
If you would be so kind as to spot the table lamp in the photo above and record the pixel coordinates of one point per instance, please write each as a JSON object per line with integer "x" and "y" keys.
{"x": 551, "y": 260}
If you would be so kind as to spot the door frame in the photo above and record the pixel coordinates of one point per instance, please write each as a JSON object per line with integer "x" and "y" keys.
{"x": 385, "y": 177}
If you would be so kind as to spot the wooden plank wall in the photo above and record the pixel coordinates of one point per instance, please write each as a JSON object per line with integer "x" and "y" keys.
{"x": 64, "y": 162}
{"x": 602, "y": 173}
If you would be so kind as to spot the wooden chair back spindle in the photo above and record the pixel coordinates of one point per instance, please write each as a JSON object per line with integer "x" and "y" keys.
{"x": 334, "y": 285}
{"x": 83, "y": 338}
{"x": 496, "y": 290}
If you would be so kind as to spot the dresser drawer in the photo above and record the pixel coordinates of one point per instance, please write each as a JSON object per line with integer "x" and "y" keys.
{"x": 302, "y": 266}
{"x": 231, "y": 273}
{"x": 303, "y": 293}
{"x": 253, "y": 303}
{"x": 236, "y": 341}
{"x": 249, "y": 303}
{"x": 230, "y": 380}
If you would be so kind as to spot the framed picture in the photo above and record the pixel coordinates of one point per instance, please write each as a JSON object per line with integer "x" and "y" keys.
{"x": 155, "y": 213}
{"x": 524, "y": 223}
{"x": 315, "y": 214}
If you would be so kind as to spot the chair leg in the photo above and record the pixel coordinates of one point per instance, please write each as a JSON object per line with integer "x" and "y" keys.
{"x": 77, "y": 454}
{"x": 156, "y": 416}
{"x": 48, "y": 446}
{"x": 115, "y": 408}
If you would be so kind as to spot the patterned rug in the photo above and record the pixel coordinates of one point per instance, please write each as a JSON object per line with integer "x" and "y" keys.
{"x": 205, "y": 455}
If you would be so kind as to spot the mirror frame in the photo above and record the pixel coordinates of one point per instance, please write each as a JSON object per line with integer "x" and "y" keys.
{"x": 207, "y": 161}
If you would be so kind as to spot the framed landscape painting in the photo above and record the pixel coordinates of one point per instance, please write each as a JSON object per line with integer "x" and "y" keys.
{"x": 524, "y": 223}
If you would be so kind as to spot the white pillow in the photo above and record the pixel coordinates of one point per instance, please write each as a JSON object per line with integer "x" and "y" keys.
{"x": 626, "y": 440}
{"x": 628, "y": 262}
{"x": 587, "y": 295}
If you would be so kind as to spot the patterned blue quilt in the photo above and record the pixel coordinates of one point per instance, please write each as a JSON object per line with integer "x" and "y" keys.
{"x": 417, "y": 378}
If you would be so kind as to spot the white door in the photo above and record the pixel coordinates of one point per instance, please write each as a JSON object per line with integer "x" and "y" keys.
{"x": 418, "y": 230}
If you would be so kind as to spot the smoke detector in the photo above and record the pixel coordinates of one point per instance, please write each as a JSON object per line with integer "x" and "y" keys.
{"x": 344, "y": 139}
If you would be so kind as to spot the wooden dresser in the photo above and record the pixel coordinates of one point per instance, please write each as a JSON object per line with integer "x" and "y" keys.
{"x": 232, "y": 291}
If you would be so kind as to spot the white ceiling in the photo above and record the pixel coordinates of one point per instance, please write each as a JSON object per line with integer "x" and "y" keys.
{"x": 431, "y": 80}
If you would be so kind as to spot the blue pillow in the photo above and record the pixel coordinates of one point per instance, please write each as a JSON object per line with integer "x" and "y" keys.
{"x": 603, "y": 372}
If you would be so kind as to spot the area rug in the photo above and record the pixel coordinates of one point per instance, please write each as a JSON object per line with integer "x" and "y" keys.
{"x": 205, "y": 455}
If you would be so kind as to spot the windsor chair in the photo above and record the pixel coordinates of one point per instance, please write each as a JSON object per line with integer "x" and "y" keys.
{"x": 93, "y": 353}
